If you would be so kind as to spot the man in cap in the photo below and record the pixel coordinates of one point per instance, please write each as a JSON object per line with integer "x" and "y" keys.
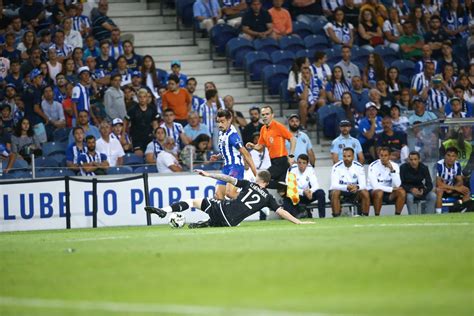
{"x": 345, "y": 140}
{"x": 436, "y": 97}
{"x": 81, "y": 94}
{"x": 176, "y": 70}
{"x": 119, "y": 133}
{"x": 420, "y": 115}
{"x": 456, "y": 108}
{"x": 32, "y": 99}
{"x": 303, "y": 142}
{"x": 369, "y": 127}
{"x": 137, "y": 80}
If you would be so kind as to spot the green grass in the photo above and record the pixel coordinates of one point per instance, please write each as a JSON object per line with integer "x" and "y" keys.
{"x": 417, "y": 265}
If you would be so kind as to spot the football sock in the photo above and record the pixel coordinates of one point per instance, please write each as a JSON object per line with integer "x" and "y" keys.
{"x": 438, "y": 210}
{"x": 180, "y": 206}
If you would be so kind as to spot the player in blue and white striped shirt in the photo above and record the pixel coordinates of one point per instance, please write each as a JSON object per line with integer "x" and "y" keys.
{"x": 449, "y": 179}
{"x": 81, "y": 96}
{"x": 92, "y": 163}
{"x": 233, "y": 152}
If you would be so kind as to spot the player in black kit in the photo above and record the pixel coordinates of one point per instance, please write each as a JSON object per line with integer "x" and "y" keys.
{"x": 252, "y": 198}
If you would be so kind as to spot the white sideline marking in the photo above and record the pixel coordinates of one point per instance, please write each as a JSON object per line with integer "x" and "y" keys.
{"x": 96, "y": 238}
{"x": 412, "y": 224}
{"x": 146, "y": 308}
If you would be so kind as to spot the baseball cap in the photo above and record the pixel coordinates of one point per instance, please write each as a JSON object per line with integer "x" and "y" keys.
{"x": 293, "y": 116}
{"x": 176, "y": 62}
{"x": 454, "y": 99}
{"x": 417, "y": 99}
{"x": 11, "y": 85}
{"x": 117, "y": 121}
{"x": 371, "y": 104}
{"x": 344, "y": 123}
{"x": 82, "y": 69}
{"x": 136, "y": 73}
{"x": 437, "y": 79}
{"x": 35, "y": 73}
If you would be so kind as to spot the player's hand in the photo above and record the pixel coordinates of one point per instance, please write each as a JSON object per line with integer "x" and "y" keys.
{"x": 202, "y": 172}
{"x": 214, "y": 157}
{"x": 250, "y": 145}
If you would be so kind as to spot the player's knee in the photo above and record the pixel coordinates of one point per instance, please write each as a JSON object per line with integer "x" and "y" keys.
{"x": 335, "y": 194}
{"x": 377, "y": 194}
{"x": 364, "y": 194}
{"x": 401, "y": 193}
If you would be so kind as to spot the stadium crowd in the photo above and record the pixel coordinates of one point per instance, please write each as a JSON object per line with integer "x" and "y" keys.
{"x": 75, "y": 92}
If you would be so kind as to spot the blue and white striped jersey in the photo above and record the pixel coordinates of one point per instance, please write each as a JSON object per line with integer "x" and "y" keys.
{"x": 73, "y": 152}
{"x": 448, "y": 174}
{"x": 196, "y": 103}
{"x": 88, "y": 158}
{"x": 78, "y": 21}
{"x": 174, "y": 132}
{"x": 80, "y": 96}
{"x": 229, "y": 145}
{"x": 63, "y": 51}
{"x": 420, "y": 82}
{"x": 208, "y": 115}
{"x": 315, "y": 88}
{"x": 436, "y": 99}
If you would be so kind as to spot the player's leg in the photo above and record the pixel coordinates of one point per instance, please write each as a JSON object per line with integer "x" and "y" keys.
{"x": 430, "y": 203}
{"x": 335, "y": 202}
{"x": 237, "y": 172}
{"x": 466, "y": 194}
{"x": 321, "y": 197}
{"x": 364, "y": 198}
{"x": 175, "y": 207}
{"x": 377, "y": 199}
{"x": 220, "y": 191}
{"x": 439, "y": 200}
{"x": 399, "y": 196}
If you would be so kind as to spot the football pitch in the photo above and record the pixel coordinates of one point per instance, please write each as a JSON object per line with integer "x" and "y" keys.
{"x": 408, "y": 265}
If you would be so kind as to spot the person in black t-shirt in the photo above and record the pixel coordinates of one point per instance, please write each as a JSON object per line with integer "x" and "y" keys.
{"x": 252, "y": 198}
{"x": 396, "y": 141}
{"x": 256, "y": 22}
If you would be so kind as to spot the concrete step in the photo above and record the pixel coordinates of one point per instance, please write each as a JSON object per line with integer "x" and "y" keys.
{"x": 188, "y": 65}
{"x": 183, "y": 58}
{"x": 120, "y": 7}
{"x": 167, "y": 50}
{"x": 122, "y": 13}
{"x": 132, "y": 28}
{"x": 159, "y": 35}
{"x": 217, "y": 72}
{"x": 150, "y": 44}
{"x": 144, "y": 20}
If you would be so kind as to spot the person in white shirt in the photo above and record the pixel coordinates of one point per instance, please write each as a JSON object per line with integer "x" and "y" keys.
{"x": 384, "y": 182}
{"x": 166, "y": 162}
{"x": 309, "y": 189}
{"x": 109, "y": 146}
{"x": 348, "y": 181}
{"x": 260, "y": 159}
{"x": 71, "y": 37}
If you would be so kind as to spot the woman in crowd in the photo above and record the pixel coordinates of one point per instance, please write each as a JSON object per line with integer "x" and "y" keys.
{"x": 54, "y": 66}
{"x": 27, "y": 43}
{"x": 134, "y": 61}
{"x": 392, "y": 29}
{"x": 419, "y": 22}
{"x": 150, "y": 75}
{"x": 124, "y": 71}
{"x": 78, "y": 57}
{"x": 337, "y": 86}
{"x": 69, "y": 70}
{"x": 24, "y": 141}
{"x": 374, "y": 70}
{"x": 370, "y": 33}
{"x": 294, "y": 77}
{"x": 393, "y": 80}
{"x": 340, "y": 32}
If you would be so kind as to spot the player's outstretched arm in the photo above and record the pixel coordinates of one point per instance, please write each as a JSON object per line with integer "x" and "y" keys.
{"x": 221, "y": 177}
{"x": 286, "y": 215}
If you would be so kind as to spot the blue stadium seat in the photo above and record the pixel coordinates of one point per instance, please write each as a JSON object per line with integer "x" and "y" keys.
{"x": 388, "y": 54}
{"x": 20, "y": 164}
{"x": 52, "y": 148}
{"x": 273, "y": 75}
{"x": 162, "y": 75}
{"x": 45, "y": 173}
{"x": 407, "y": 67}
{"x": 283, "y": 58}
{"x": 302, "y": 29}
{"x": 292, "y": 43}
{"x": 317, "y": 42}
{"x": 405, "y": 81}
{"x": 236, "y": 49}
{"x": 61, "y": 134}
{"x": 63, "y": 172}
{"x": 60, "y": 158}
{"x": 318, "y": 27}
{"x": 120, "y": 170}
{"x": 132, "y": 160}
{"x": 17, "y": 174}
{"x": 254, "y": 63}
{"x": 145, "y": 169}
{"x": 333, "y": 55}
{"x": 219, "y": 36}
{"x": 309, "y": 53}
{"x": 42, "y": 162}
{"x": 360, "y": 54}
{"x": 267, "y": 45}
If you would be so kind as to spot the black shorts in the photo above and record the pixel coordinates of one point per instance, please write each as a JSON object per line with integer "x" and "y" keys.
{"x": 213, "y": 208}
{"x": 347, "y": 196}
{"x": 385, "y": 198}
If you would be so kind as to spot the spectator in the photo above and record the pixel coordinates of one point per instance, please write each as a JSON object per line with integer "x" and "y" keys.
{"x": 140, "y": 117}
{"x": 436, "y": 36}
{"x": 45, "y": 42}
{"x": 24, "y": 142}
{"x": 308, "y": 187}
{"x": 208, "y": 13}
{"x": 81, "y": 94}
{"x": 114, "y": 99}
{"x": 6, "y": 119}
{"x": 351, "y": 12}
{"x": 69, "y": 71}
{"x": 455, "y": 20}
{"x": 410, "y": 43}
{"x": 109, "y": 146}
{"x": 281, "y": 20}
{"x": 166, "y": 162}
{"x": 156, "y": 145}
{"x": 386, "y": 98}
{"x": 392, "y": 29}
{"x": 119, "y": 133}
{"x": 320, "y": 68}
{"x": 384, "y": 183}
{"x": 345, "y": 140}
{"x": 83, "y": 121}
{"x": 196, "y": 101}
{"x": 32, "y": 14}
{"x": 150, "y": 75}
{"x": 92, "y": 163}
{"x": 4, "y": 20}
{"x": 233, "y": 10}
{"x": 54, "y": 66}
{"x": 416, "y": 181}
{"x": 100, "y": 78}
{"x": 81, "y": 22}
{"x": 63, "y": 50}
{"x": 71, "y": 37}
{"x": 348, "y": 107}
{"x": 102, "y": 25}
{"x": 53, "y": 111}
{"x": 393, "y": 80}
{"x": 32, "y": 63}
{"x": 419, "y": 21}
{"x": 340, "y": 32}
{"x": 348, "y": 181}
{"x": 7, "y": 158}
{"x": 59, "y": 11}
{"x": 27, "y": 43}
{"x": 378, "y": 10}
{"x": 208, "y": 111}
{"x": 261, "y": 159}
{"x": 32, "y": 99}
{"x": 311, "y": 95}
{"x": 67, "y": 105}
{"x": 449, "y": 181}
{"x": 448, "y": 58}
{"x": 330, "y": 6}
{"x": 456, "y": 109}
{"x": 256, "y": 22}
{"x": 104, "y": 61}
{"x": 177, "y": 99}
{"x": 10, "y": 94}
{"x": 436, "y": 97}
{"x": 195, "y": 127}
{"x": 174, "y": 129}
{"x": 75, "y": 148}
{"x": 200, "y": 154}
{"x": 116, "y": 45}
{"x": 176, "y": 70}
{"x": 395, "y": 141}
{"x": 238, "y": 119}
{"x": 369, "y": 127}
{"x": 420, "y": 115}
{"x": 303, "y": 142}
{"x": 124, "y": 72}
{"x": 253, "y": 126}
{"x": 370, "y": 33}
{"x": 374, "y": 70}
{"x": 337, "y": 86}
{"x": 306, "y": 11}
{"x": 421, "y": 82}
{"x": 17, "y": 29}
{"x": 350, "y": 69}
{"x": 91, "y": 48}
{"x": 9, "y": 50}
{"x": 399, "y": 122}
{"x": 134, "y": 61}
{"x": 465, "y": 106}
{"x": 294, "y": 77}
{"x": 360, "y": 95}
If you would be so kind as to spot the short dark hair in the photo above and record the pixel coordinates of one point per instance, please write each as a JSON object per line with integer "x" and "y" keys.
{"x": 303, "y": 157}
{"x": 319, "y": 55}
{"x": 174, "y": 78}
{"x": 211, "y": 93}
{"x": 268, "y": 107}
{"x": 76, "y": 129}
{"x": 88, "y": 137}
{"x": 191, "y": 79}
{"x": 115, "y": 76}
{"x": 385, "y": 148}
{"x": 265, "y": 176}
{"x": 453, "y": 150}
{"x": 414, "y": 153}
{"x": 46, "y": 87}
{"x": 348, "y": 149}
{"x": 104, "y": 41}
{"x": 435, "y": 17}
{"x": 254, "y": 108}
{"x": 224, "y": 113}
{"x": 167, "y": 110}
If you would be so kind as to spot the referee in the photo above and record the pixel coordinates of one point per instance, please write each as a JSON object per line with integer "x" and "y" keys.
{"x": 273, "y": 135}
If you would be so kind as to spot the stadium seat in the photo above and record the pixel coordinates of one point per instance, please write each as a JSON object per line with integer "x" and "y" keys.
{"x": 52, "y": 148}
{"x": 162, "y": 75}
{"x": 291, "y": 43}
{"x": 132, "y": 160}
{"x": 219, "y": 35}
{"x": 145, "y": 169}
{"x": 360, "y": 54}
{"x": 267, "y": 45}
{"x": 309, "y": 53}
{"x": 20, "y": 164}
{"x": 17, "y": 174}
{"x": 333, "y": 55}
{"x": 236, "y": 49}
{"x": 254, "y": 63}
{"x": 42, "y": 162}
{"x": 317, "y": 42}
{"x": 388, "y": 54}
{"x": 120, "y": 170}
{"x": 44, "y": 173}
{"x": 61, "y": 134}
{"x": 461, "y": 52}
{"x": 283, "y": 58}
{"x": 285, "y": 96}
{"x": 63, "y": 172}
{"x": 302, "y": 29}
{"x": 60, "y": 158}
{"x": 318, "y": 27}
{"x": 404, "y": 80}
{"x": 407, "y": 67}
{"x": 273, "y": 75}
